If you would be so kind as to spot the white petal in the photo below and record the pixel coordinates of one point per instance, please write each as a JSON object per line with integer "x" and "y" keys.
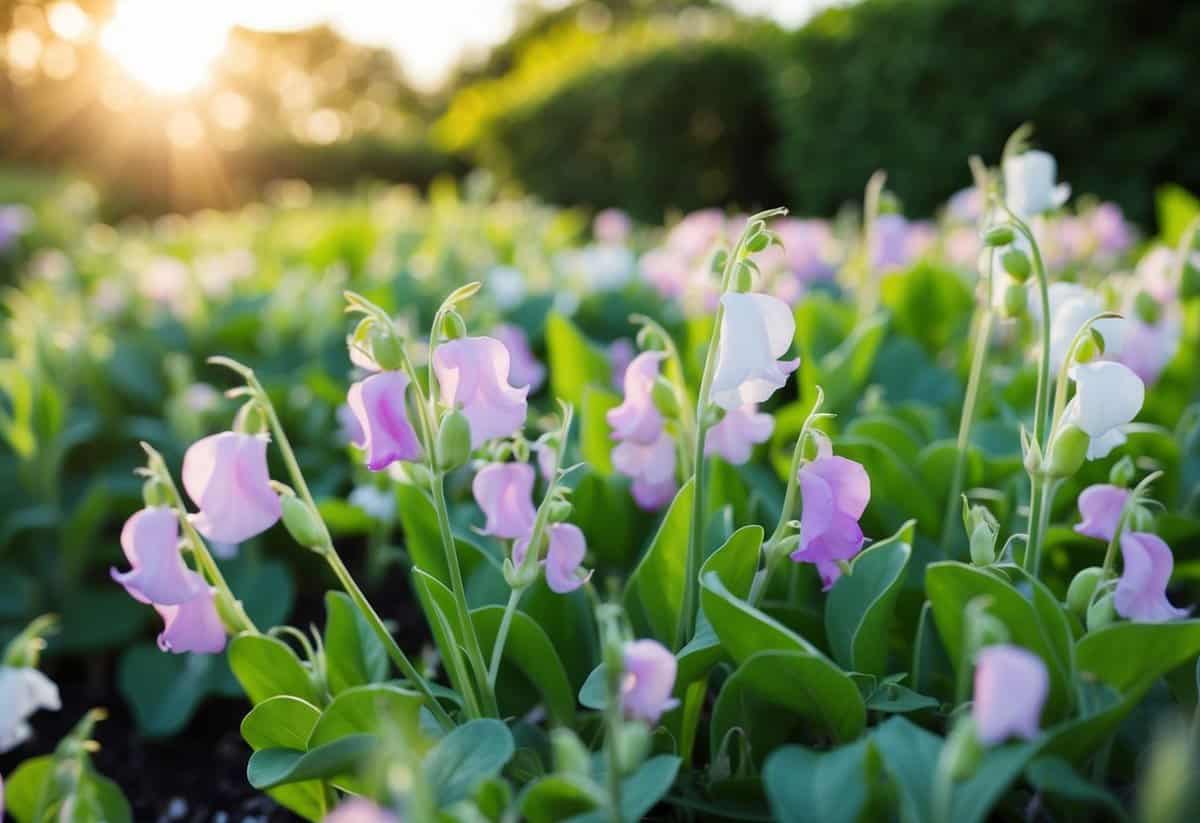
{"x": 1107, "y": 395}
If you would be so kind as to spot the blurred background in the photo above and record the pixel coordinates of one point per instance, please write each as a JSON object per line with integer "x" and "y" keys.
{"x": 656, "y": 106}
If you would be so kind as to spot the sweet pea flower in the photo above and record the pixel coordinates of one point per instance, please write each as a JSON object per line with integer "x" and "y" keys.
{"x": 505, "y": 493}
{"x": 756, "y": 330}
{"x": 1141, "y": 594}
{"x": 738, "y": 432}
{"x": 889, "y": 242}
{"x": 620, "y": 354}
{"x": 524, "y": 368}
{"x": 809, "y": 248}
{"x": 1100, "y": 508}
{"x": 349, "y": 429}
{"x": 652, "y": 468}
{"x": 834, "y": 492}
{"x": 648, "y": 681}
{"x": 379, "y": 408}
{"x": 637, "y": 418}
{"x": 1030, "y": 186}
{"x": 612, "y": 226}
{"x": 360, "y": 810}
{"x": 23, "y": 691}
{"x": 563, "y": 558}
{"x": 965, "y": 205}
{"x": 1107, "y": 396}
{"x": 1072, "y": 305}
{"x": 1011, "y": 685}
{"x": 1149, "y": 347}
{"x": 473, "y": 375}
{"x": 226, "y": 476}
{"x": 150, "y": 540}
{"x": 1111, "y": 233}
{"x": 194, "y": 625}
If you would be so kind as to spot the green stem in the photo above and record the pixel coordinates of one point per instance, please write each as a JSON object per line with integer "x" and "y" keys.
{"x": 1041, "y": 496}
{"x": 612, "y": 713}
{"x": 1042, "y": 401}
{"x": 502, "y": 636}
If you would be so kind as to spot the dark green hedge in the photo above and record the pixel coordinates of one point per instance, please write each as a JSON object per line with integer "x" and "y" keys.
{"x": 915, "y": 86}
{"x": 685, "y": 127}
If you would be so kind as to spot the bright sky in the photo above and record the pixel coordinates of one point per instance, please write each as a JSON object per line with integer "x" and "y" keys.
{"x": 428, "y": 35}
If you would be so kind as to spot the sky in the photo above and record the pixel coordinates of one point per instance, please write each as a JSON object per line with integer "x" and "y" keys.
{"x": 430, "y": 35}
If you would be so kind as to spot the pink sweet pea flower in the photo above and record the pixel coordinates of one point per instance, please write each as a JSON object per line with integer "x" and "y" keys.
{"x": 192, "y": 626}
{"x": 648, "y": 681}
{"x": 834, "y": 492}
{"x": 505, "y": 493}
{"x": 1141, "y": 594}
{"x": 611, "y": 226}
{"x": 637, "y": 418}
{"x": 473, "y": 375}
{"x": 524, "y": 369}
{"x": 379, "y": 408}
{"x": 563, "y": 558}
{"x": 652, "y": 468}
{"x": 620, "y": 354}
{"x": 150, "y": 540}
{"x": 738, "y": 432}
{"x": 226, "y": 476}
{"x": 1100, "y": 509}
{"x": 1011, "y": 685}
{"x": 349, "y": 429}
{"x": 756, "y": 330}
{"x": 360, "y": 810}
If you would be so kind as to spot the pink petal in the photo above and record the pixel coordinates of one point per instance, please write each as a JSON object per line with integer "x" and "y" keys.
{"x": 226, "y": 475}
{"x": 1011, "y": 685}
{"x": 1100, "y": 507}
{"x": 150, "y": 540}
{"x": 193, "y": 626}
{"x": 1141, "y": 593}
{"x": 379, "y": 407}
{"x": 473, "y": 373}
{"x": 505, "y": 493}
{"x": 649, "y": 680}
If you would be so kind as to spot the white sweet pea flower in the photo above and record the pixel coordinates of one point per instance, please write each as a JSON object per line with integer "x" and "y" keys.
{"x": 23, "y": 691}
{"x": 1029, "y": 184}
{"x": 1107, "y": 396}
{"x": 1072, "y": 305}
{"x": 756, "y": 330}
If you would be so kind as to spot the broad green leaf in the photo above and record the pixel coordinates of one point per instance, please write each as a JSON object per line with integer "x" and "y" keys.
{"x": 343, "y": 757}
{"x": 893, "y": 432}
{"x": 267, "y": 667}
{"x": 574, "y": 361}
{"x": 861, "y": 604}
{"x": 530, "y": 652}
{"x": 642, "y": 791}
{"x": 897, "y": 492}
{"x": 843, "y": 785}
{"x": 1130, "y": 656}
{"x": 164, "y": 690}
{"x": 654, "y": 594}
{"x": 558, "y": 797}
{"x": 929, "y": 304}
{"x": 353, "y": 654}
{"x": 774, "y": 691}
{"x": 594, "y": 692}
{"x": 287, "y": 722}
{"x": 569, "y": 622}
{"x": 437, "y": 602}
{"x": 374, "y": 709}
{"x": 466, "y": 756}
{"x": 1055, "y": 777}
{"x": 605, "y": 510}
{"x": 743, "y": 629}
{"x": 595, "y": 436}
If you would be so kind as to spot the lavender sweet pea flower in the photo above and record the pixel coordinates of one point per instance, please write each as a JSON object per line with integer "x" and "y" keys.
{"x": 505, "y": 493}
{"x": 1100, "y": 508}
{"x": 360, "y": 810}
{"x": 378, "y": 405}
{"x": 809, "y": 249}
{"x": 965, "y": 205}
{"x": 648, "y": 681}
{"x": 524, "y": 368}
{"x": 194, "y": 625}
{"x": 890, "y": 247}
{"x": 652, "y": 468}
{"x": 1141, "y": 594}
{"x": 226, "y": 476}
{"x": 1011, "y": 685}
{"x": 1030, "y": 186}
{"x": 834, "y": 492}
{"x": 738, "y": 432}
{"x": 563, "y": 558}
{"x": 23, "y": 691}
{"x": 637, "y": 418}
{"x": 612, "y": 226}
{"x": 1107, "y": 397}
{"x": 756, "y": 330}
{"x": 1112, "y": 234}
{"x": 473, "y": 375}
{"x": 150, "y": 540}
{"x": 1149, "y": 347}
{"x": 620, "y": 354}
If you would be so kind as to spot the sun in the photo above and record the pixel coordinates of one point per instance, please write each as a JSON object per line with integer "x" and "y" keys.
{"x": 168, "y": 46}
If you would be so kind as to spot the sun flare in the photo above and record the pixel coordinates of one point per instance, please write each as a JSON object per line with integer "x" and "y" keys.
{"x": 170, "y": 47}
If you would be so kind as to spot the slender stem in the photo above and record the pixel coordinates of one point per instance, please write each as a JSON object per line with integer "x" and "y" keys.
{"x": 1042, "y": 402}
{"x": 502, "y": 636}
{"x": 612, "y": 714}
{"x": 1041, "y": 496}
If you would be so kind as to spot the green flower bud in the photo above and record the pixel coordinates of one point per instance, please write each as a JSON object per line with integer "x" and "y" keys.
{"x": 1089, "y": 349}
{"x": 453, "y": 441}
{"x": 570, "y": 755}
{"x": 520, "y": 577}
{"x": 1083, "y": 586}
{"x": 666, "y": 399}
{"x": 1101, "y": 613}
{"x": 998, "y": 236}
{"x": 744, "y": 280}
{"x": 719, "y": 260}
{"x": 1122, "y": 472}
{"x": 1016, "y": 263}
{"x": 983, "y": 545}
{"x": 1015, "y": 300}
{"x": 559, "y": 511}
{"x": 154, "y": 493}
{"x": 1068, "y": 450}
{"x": 387, "y": 349}
{"x": 633, "y": 744}
{"x": 302, "y": 523}
{"x": 648, "y": 339}
{"x": 230, "y": 612}
{"x": 758, "y": 242}
{"x": 453, "y": 326}
{"x": 1033, "y": 455}
{"x": 1147, "y": 308}
{"x": 24, "y": 650}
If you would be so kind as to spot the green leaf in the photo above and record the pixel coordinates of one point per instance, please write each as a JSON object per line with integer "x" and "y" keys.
{"x": 354, "y": 656}
{"x": 642, "y": 791}
{"x": 594, "y": 693}
{"x": 370, "y": 709}
{"x": 1055, "y": 777}
{"x": 861, "y": 604}
{"x": 743, "y": 629}
{"x": 605, "y": 510}
{"x": 897, "y": 492}
{"x": 573, "y": 360}
{"x": 1176, "y": 208}
{"x": 558, "y": 797}
{"x": 287, "y": 722}
{"x": 773, "y": 691}
{"x": 929, "y": 304}
{"x": 529, "y": 651}
{"x": 437, "y": 602}
{"x": 654, "y": 594}
{"x": 466, "y": 756}
{"x": 595, "y": 436}
{"x": 270, "y": 768}
{"x": 267, "y": 667}
{"x": 844, "y": 785}
{"x": 164, "y": 690}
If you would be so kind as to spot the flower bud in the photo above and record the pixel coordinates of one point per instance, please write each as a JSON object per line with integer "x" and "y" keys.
{"x": 570, "y": 755}
{"x": 963, "y": 752}
{"x": 1089, "y": 348}
{"x": 719, "y": 260}
{"x": 1032, "y": 454}
{"x": 1015, "y": 300}
{"x": 520, "y": 576}
{"x": 387, "y": 349}
{"x": 1083, "y": 586}
{"x": 559, "y": 511}
{"x": 633, "y": 744}
{"x": 648, "y": 339}
{"x": 1122, "y": 472}
{"x": 998, "y": 236}
{"x": 983, "y": 545}
{"x": 1068, "y": 450}
{"x": 1101, "y": 613}
{"x": 666, "y": 400}
{"x": 303, "y": 524}
{"x": 744, "y": 281}
{"x": 453, "y": 441}
{"x": 154, "y": 493}
{"x": 1147, "y": 308}
{"x": 758, "y": 241}
{"x": 453, "y": 326}
{"x": 1016, "y": 263}
{"x": 229, "y": 611}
